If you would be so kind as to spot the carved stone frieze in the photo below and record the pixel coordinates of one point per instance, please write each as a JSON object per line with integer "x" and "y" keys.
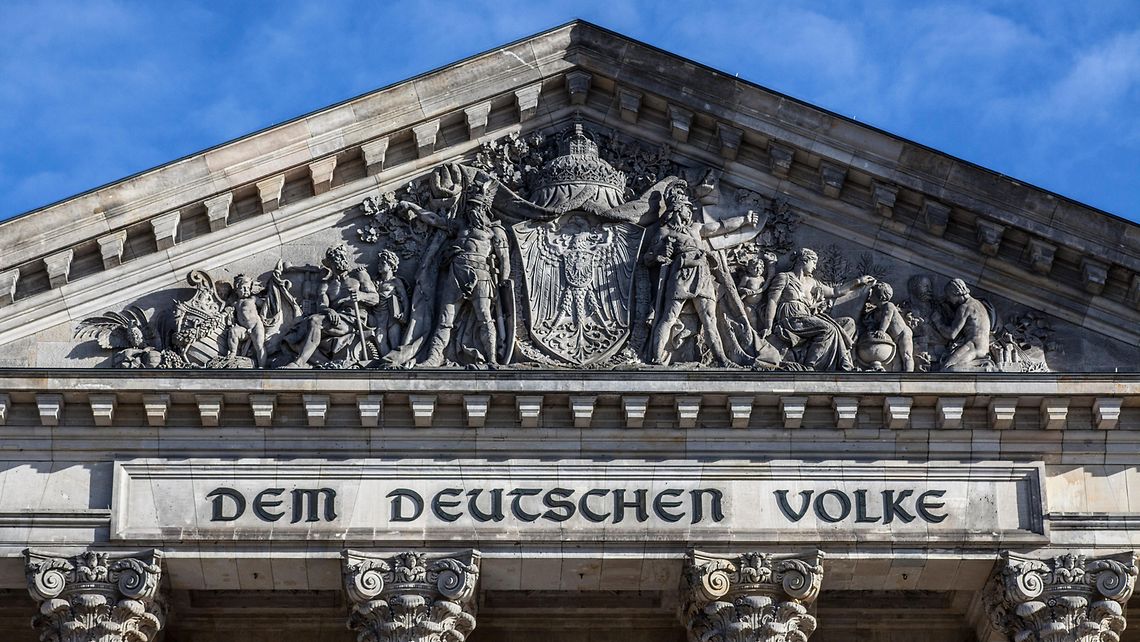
{"x": 411, "y": 597}
{"x": 750, "y": 597}
{"x": 1069, "y": 598}
{"x": 577, "y": 249}
{"x": 96, "y": 597}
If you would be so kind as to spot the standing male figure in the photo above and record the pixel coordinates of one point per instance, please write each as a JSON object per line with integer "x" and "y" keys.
{"x": 682, "y": 254}
{"x": 475, "y": 262}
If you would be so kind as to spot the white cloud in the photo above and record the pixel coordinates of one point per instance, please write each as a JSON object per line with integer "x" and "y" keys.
{"x": 1099, "y": 78}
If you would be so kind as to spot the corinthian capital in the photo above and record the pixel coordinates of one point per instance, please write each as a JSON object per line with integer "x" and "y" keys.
{"x": 751, "y": 597}
{"x": 1068, "y": 598}
{"x": 96, "y": 597}
{"x": 411, "y": 597}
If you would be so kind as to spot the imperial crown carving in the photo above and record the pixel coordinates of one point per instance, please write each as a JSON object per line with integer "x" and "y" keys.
{"x": 583, "y": 249}
{"x": 749, "y": 597}
{"x": 411, "y": 596}
{"x": 96, "y": 597}
{"x": 1068, "y": 598}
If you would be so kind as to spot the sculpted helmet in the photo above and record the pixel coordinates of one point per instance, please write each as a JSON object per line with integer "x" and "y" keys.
{"x": 482, "y": 193}
{"x": 676, "y": 189}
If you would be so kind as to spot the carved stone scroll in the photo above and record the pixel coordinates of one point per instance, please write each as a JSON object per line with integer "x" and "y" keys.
{"x": 96, "y": 597}
{"x": 750, "y": 597}
{"x": 583, "y": 249}
{"x": 1069, "y": 598}
{"x": 411, "y": 597}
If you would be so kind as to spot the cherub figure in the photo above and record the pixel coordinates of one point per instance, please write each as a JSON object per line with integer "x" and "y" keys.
{"x": 753, "y": 283}
{"x": 391, "y": 313}
{"x": 882, "y": 322}
{"x": 249, "y": 319}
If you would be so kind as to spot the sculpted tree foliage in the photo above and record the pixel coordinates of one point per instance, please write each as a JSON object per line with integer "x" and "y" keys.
{"x": 580, "y": 249}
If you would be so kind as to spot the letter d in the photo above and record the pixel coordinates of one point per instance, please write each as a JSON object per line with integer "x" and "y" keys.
{"x": 398, "y": 496}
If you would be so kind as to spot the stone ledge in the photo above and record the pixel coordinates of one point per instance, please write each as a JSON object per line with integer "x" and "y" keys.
{"x": 261, "y": 171}
{"x": 663, "y": 399}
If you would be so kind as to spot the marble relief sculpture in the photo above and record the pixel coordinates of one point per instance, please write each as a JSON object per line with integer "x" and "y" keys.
{"x": 390, "y": 313}
{"x": 578, "y": 250}
{"x": 685, "y": 267}
{"x": 335, "y": 323}
{"x": 473, "y": 273}
{"x": 968, "y": 331}
{"x": 794, "y": 315}
{"x": 884, "y": 332}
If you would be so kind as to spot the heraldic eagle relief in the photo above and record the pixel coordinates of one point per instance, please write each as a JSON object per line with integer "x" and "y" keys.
{"x": 581, "y": 249}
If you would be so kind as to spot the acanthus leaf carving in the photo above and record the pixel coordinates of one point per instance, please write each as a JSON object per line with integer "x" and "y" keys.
{"x": 411, "y": 596}
{"x": 96, "y": 597}
{"x": 750, "y": 597}
{"x": 1067, "y": 598}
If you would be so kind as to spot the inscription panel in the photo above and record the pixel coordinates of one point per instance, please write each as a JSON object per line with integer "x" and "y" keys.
{"x": 982, "y": 505}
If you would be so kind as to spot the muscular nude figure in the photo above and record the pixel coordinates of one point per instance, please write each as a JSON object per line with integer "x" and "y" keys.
{"x": 969, "y": 332}
{"x": 343, "y": 299}
{"x": 477, "y": 261}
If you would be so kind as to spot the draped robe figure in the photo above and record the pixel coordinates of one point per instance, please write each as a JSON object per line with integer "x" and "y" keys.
{"x": 795, "y": 314}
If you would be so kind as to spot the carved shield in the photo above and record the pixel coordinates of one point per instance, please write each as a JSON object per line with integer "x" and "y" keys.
{"x": 579, "y": 284}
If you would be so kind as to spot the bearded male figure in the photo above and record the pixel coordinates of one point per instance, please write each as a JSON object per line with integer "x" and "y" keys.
{"x": 474, "y": 263}
{"x": 345, "y": 296}
{"x": 685, "y": 262}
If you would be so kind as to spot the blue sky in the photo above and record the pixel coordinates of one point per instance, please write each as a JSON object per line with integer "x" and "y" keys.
{"x": 93, "y": 91}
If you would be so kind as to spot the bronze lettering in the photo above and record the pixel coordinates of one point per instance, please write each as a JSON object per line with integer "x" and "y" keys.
{"x": 398, "y": 496}
{"x": 217, "y": 497}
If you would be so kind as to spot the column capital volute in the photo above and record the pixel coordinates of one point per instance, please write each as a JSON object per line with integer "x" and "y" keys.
{"x": 96, "y": 595}
{"x": 750, "y": 597}
{"x": 709, "y": 576}
{"x": 419, "y": 594}
{"x": 1069, "y": 597}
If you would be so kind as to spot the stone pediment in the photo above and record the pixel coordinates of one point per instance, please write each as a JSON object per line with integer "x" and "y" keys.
{"x": 575, "y": 200}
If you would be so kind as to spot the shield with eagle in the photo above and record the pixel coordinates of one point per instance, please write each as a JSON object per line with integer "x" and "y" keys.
{"x": 579, "y": 284}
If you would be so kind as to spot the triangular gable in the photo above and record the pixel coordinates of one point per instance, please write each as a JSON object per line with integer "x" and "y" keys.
{"x": 1055, "y": 278}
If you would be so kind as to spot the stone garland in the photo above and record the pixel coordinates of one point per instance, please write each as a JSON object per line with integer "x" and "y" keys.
{"x": 579, "y": 250}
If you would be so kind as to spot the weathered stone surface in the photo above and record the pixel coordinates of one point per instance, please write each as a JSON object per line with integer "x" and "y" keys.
{"x": 96, "y": 597}
{"x": 547, "y": 503}
{"x": 1068, "y": 597}
{"x": 751, "y": 597}
{"x": 562, "y": 252}
{"x": 446, "y": 288}
{"x": 412, "y": 596}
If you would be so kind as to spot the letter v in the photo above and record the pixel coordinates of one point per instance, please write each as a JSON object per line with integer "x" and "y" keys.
{"x": 786, "y": 509}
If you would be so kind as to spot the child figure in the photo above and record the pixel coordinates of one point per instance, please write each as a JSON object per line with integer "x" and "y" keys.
{"x": 248, "y": 320}
{"x": 391, "y": 313}
{"x": 754, "y": 283}
{"x": 882, "y": 321}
